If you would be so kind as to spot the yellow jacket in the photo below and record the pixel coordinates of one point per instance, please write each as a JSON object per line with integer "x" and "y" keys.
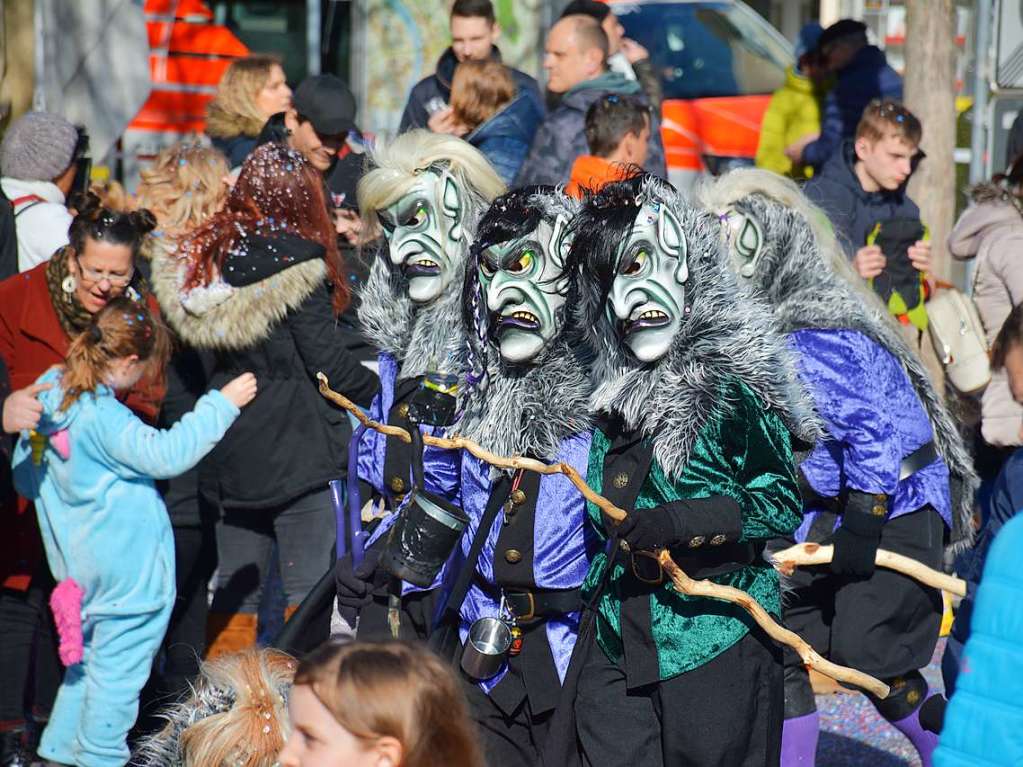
{"x": 794, "y": 111}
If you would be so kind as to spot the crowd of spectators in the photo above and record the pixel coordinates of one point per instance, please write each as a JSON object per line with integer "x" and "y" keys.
{"x": 275, "y": 183}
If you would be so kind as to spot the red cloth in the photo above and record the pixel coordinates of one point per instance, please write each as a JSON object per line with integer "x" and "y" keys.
{"x": 31, "y": 341}
{"x": 591, "y": 173}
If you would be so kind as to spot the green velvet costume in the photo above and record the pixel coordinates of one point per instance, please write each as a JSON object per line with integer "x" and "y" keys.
{"x": 742, "y": 452}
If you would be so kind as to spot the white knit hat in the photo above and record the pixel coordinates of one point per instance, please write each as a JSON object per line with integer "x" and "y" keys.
{"x": 38, "y": 146}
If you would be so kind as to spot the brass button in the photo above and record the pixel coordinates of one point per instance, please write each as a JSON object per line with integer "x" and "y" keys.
{"x": 513, "y": 556}
{"x": 880, "y": 497}
{"x": 621, "y": 480}
{"x": 879, "y": 511}
{"x": 912, "y": 697}
{"x": 518, "y": 497}
{"x": 403, "y": 410}
{"x": 696, "y": 541}
{"x": 717, "y": 540}
{"x": 397, "y": 484}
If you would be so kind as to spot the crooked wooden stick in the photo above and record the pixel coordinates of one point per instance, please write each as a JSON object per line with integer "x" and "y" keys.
{"x": 806, "y": 554}
{"x": 682, "y": 582}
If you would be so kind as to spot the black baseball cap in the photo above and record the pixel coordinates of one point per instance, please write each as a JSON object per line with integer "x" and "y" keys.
{"x": 326, "y": 102}
{"x": 838, "y": 30}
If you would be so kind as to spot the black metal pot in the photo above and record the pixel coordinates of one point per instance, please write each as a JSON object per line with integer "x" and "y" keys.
{"x": 422, "y": 539}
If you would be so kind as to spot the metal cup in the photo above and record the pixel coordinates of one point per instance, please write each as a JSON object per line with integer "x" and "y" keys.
{"x": 486, "y": 647}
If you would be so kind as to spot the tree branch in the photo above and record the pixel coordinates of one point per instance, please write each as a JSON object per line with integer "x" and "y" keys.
{"x": 682, "y": 582}
{"x": 806, "y": 554}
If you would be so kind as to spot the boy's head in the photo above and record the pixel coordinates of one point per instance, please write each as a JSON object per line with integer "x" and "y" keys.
{"x": 618, "y": 129}
{"x": 887, "y": 140}
{"x": 1007, "y": 352}
{"x": 474, "y": 29}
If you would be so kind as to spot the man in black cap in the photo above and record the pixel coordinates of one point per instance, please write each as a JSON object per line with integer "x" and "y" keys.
{"x": 862, "y": 74}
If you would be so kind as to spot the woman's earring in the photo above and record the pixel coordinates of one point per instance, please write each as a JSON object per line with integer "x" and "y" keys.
{"x": 68, "y": 284}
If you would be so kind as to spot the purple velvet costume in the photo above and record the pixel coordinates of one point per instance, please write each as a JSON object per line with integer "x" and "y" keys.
{"x": 440, "y": 467}
{"x": 874, "y": 419}
{"x": 563, "y": 546}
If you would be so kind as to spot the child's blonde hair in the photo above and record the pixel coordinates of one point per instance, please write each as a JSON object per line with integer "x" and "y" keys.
{"x": 395, "y": 689}
{"x": 235, "y": 716}
{"x": 122, "y": 328}
{"x": 184, "y": 186}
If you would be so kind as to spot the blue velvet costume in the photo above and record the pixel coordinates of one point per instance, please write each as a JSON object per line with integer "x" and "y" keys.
{"x": 874, "y": 419}
{"x": 563, "y": 545}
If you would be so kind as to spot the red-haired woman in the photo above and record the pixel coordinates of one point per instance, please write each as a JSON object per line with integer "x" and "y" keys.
{"x": 261, "y": 285}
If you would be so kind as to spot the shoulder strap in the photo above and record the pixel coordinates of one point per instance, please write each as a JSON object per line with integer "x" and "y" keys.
{"x": 31, "y": 199}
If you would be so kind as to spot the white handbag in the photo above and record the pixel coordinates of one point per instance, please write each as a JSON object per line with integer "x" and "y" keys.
{"x": 959, "y": 340}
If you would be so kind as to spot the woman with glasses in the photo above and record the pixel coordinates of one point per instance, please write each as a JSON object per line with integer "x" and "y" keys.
{"x": 40, "y": 310}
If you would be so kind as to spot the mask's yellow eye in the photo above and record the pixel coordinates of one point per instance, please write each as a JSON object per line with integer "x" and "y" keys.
{"x": 634, "y": 266}
{"x": 524, "y": 262}
{"x": 418, "y": 217}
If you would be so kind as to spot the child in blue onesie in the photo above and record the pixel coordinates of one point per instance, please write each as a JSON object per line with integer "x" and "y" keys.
{"x": 90, "y": 469}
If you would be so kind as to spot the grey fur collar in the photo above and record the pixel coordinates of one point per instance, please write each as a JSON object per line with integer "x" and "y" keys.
{"x": 804, "y": 292}
{"x": 219, "y": 316}
{"x": 725, "y": 336}
{"x": 528, "y": 410}
{"x": 419, "y": 338}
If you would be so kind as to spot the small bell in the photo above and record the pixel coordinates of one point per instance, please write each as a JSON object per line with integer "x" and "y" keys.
{"x": 516, "y": 643}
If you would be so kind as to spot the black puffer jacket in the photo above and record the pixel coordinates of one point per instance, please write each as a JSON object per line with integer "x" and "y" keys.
{"x": 279, "y": 324}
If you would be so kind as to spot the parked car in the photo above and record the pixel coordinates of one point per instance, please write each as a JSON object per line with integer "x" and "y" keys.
{"x": 719, "y": 62}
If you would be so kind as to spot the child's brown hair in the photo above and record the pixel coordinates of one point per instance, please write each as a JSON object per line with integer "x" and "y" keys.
{"x": 396, "y": 689}
{"x": 120, "y": 329}
{"x": 479, "y": 90}
{"x": 884, "y": 117}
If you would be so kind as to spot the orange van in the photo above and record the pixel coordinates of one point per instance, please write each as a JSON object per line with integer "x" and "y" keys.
{"x": 719, "y": 63}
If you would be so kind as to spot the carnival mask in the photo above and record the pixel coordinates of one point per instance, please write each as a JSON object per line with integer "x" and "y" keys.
{"x": 424, "y": 231}
{"x": 647, "y": 300}
{"x": 525, "y": 288}
{"x": 745, "y": 241}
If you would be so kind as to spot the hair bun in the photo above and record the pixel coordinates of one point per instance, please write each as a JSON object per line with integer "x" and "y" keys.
{"x": 143, "y": 220}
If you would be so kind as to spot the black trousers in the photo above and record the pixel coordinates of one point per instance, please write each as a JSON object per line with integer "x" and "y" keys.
{"x": 30, "y": 670}
{"x": 726, "y": 713}
{"x": 508, "y": 739}
{"x": 885, "y": 625}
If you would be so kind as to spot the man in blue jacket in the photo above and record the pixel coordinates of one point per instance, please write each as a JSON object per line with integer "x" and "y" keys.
{"x": 474, "y": 32}
{"x": 862, "y": 74}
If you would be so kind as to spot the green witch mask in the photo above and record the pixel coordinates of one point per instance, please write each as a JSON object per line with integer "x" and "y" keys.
{"x": 745, "y": 241}
{"x": 647, "y": 300}
{"x": 424, "y": 231}
{"x": 525, "y": 289}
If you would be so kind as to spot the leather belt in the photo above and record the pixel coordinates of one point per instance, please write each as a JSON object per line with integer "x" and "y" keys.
{"x": 534, "y": 604}
{"x": 708, "y": 563}
{"x": 529, "y": 605}
{"x": 923, "y": 456}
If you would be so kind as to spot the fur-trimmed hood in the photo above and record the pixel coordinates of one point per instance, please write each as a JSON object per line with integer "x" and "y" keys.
{"x": 804, "y": 276}
{"x": 223, "y": 124}
{"x": 548, "y": 400}
{"x": 219, "y": 316}
{"x": 725, "y": 336}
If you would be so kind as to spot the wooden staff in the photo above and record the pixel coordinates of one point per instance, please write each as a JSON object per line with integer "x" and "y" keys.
{"x": 805, "y": 554}
{"x": 682, "y": 582}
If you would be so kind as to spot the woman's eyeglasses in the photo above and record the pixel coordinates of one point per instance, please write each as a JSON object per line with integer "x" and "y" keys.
{"x": 94, "y": 275}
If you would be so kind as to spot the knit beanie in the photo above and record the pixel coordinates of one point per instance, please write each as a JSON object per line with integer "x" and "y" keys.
{"x": 38, "y": 146}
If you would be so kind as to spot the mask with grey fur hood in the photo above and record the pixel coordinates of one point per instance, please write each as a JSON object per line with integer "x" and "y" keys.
{"x": 785, "y": 256}
{"x": 527, "y": 406}
{"x": 723, "y": 334}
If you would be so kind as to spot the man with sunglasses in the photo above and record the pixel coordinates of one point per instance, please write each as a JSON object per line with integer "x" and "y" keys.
{"x": 862, "y": 75}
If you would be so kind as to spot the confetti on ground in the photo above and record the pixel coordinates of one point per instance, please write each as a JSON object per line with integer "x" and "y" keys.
{"x": 854, "y": 734}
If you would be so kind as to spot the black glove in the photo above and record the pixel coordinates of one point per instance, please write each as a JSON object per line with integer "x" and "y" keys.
{"x": 856, "y": 542}
{"x": 355, "y": 585}
{"x": 649, "y": 529}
